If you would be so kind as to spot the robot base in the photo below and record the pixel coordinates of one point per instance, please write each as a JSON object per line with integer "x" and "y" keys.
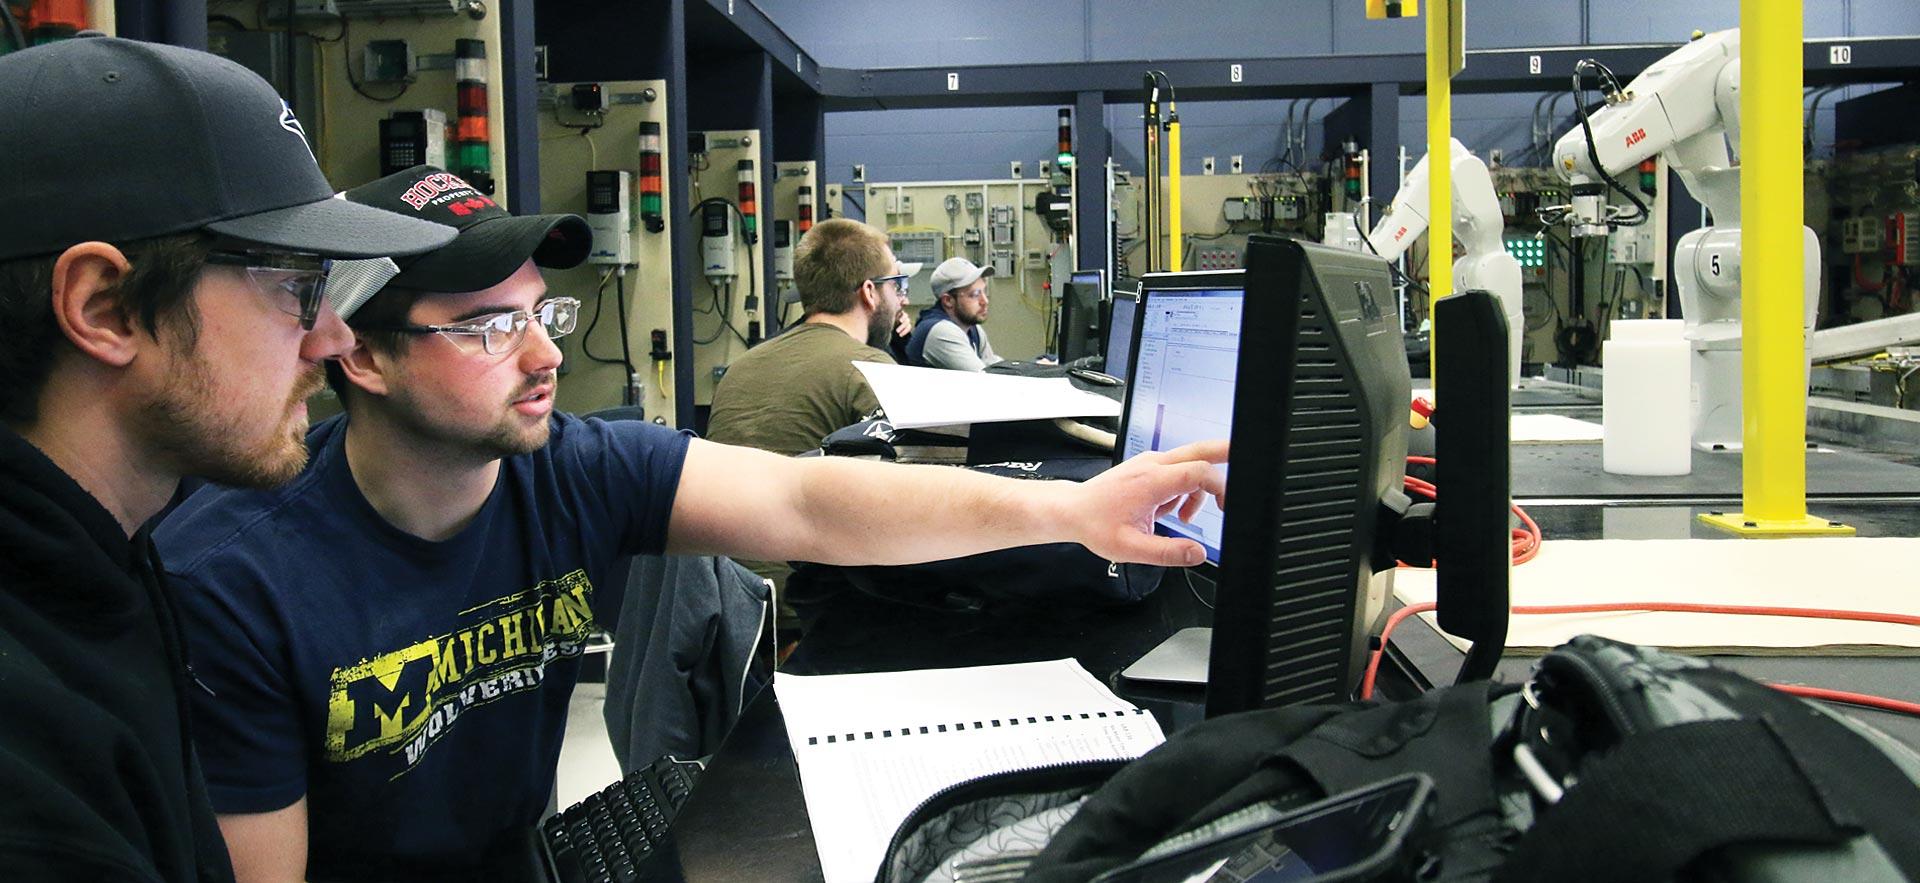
{"x": 1706, "y": 266}
{"x": 1760, "y": 528}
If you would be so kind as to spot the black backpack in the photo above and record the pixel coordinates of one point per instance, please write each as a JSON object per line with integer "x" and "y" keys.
{"x": 1612, "y": 763}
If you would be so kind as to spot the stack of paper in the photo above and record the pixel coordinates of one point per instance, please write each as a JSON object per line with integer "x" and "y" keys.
{"x": 872, "y": 747}
{"x": 915, "y": 398}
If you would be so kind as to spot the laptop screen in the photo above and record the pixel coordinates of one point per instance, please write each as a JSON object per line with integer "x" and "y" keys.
{"x": 1119, "y": 350}
{"x": 1181, "y": 386}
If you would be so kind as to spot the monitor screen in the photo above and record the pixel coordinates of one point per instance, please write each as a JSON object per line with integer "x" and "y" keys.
{"x": 1182, "y": 383}
{"x": 1080, "y": 315}
{"x": 1119, "y": 349}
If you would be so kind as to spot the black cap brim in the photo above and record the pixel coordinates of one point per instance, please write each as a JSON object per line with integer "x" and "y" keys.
{"x": 489, "y": 251}
{"x": 337, "y": 228}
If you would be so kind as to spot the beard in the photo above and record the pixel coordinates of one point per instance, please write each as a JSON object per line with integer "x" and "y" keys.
{"x": 880, "y": 328}
{"x": 508, "y": 437}
{"x": 187, "y": 421}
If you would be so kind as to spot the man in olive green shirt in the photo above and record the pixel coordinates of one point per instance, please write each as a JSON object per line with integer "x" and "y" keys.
{"x": 789, "y": 393}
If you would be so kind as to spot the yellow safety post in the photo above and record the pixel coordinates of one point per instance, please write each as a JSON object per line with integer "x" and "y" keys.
{"x": 1177, "y": 260}
{"x": 1439, "y": 166}
{"x": 1151, "y": 192}
{"x": 1773, "y": 354}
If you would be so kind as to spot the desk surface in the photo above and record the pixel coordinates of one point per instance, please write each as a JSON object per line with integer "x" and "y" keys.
{"x": 1574, "y": 470}
{"x": 748, "y": 819}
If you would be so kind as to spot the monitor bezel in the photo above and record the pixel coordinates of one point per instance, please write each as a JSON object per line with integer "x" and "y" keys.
{"x": 1067, "y": 309}
{"x": 1245, "y": 594}
{"x": 1133, "y": 328}
{"x": 1190, "y": 280}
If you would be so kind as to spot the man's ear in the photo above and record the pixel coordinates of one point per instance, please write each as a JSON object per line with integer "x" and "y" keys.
{"x": 870, "y": 296}
{"x": 366, "y": 369}
{"x": 86, "y": 308}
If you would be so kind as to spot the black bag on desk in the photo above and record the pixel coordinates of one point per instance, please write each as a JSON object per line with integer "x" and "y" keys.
{"x": 1614, "y": 763}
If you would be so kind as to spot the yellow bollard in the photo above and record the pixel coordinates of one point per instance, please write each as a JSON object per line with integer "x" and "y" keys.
{"x": 1773, "y": 353}
{"x": 1177, "y": 260}
{"x": 1439, "y": 167}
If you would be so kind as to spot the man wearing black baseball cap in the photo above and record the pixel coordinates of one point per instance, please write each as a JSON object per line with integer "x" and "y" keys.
{"x": 392, "y": 638}
{"x": 162, "y": 314}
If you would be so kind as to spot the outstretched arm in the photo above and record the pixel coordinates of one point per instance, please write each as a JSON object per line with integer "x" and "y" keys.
{"x": 752, "y": 504}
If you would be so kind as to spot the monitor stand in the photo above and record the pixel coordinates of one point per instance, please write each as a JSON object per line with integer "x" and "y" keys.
{"x": 1179, "y": 661}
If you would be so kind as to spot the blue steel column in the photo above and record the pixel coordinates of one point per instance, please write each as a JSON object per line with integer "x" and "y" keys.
{"x": 522, "y": 120}
{"x": 1090, "y": 154}
{"x": 1382, "y": 140}
{"x": 763, "y": 188}
{"x": 174, "y": 22}
{"x": 674, "y": 63}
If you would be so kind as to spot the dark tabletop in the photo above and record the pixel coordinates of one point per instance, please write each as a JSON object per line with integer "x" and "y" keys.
{"x": 747, "y": 820}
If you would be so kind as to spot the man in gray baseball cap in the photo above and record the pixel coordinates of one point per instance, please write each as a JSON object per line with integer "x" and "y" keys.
{"x": 164, "y": 249}
{"x": 950, "y": 333}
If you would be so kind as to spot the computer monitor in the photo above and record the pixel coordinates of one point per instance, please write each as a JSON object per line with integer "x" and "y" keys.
{"x": 1318, "y": 418}
{"x": 1118, "y": 350}
{"x": 1180, "y": 387}
{"x": 1080, "y": 308}
{"x": 1320, "y": 422}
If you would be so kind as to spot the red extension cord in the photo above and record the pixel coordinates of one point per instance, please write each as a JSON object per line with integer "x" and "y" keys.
{"x": 1526, "y": 545}
{"x": 1860, "y": 699}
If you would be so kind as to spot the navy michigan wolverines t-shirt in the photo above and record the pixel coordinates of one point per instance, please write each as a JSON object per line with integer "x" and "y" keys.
{"x": 414, "y": 692}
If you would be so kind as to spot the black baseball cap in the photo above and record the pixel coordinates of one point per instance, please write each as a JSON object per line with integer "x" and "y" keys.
{"x": 492, "y": 243}
{"x": 116, "y": 140}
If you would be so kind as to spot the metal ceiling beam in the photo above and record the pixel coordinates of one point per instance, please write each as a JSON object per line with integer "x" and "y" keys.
{"x": 754, "y": 24}
{"x": 1874, "y": 59}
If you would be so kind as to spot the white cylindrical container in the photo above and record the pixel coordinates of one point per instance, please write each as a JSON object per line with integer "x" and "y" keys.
{"x": 1646, "y": 421}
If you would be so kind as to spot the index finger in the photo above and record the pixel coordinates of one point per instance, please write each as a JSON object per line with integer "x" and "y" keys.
{"x": 1204, "y": 477}
{"x": 1210, "y": 451}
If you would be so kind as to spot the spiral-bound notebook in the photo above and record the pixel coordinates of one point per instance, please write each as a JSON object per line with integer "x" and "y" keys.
{"x": 871, "y": 747}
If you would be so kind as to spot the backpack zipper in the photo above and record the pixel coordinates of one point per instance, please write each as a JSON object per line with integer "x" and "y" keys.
{"x": 1056, "y": 775}
{"x": 1602, "y": 690}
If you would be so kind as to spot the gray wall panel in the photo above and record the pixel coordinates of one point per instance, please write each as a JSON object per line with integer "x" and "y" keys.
{"x": 926, "y": 145}
{"x": 933, "y": 33}
{"x": 1355, "y": 34}
{"x": 1885, "y": 17}
{"x": 1496, "y": 25}
{"x": 1209, "y": 29}
{"x": 1664, "y": 21}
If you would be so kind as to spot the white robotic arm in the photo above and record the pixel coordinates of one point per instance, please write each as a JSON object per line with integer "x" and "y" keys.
{"x": 1686, "y": 108}
{"x": 1477, "y": 224}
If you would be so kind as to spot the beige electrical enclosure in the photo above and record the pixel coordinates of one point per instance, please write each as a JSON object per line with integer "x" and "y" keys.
{"x": 789, "y": 177}
{"x": 349, "y": 149}
{"x": 989, "y": 223}
{"x": 566, "y": 155}
{"x": 1219, "y": 212}
{"x": 836, "y": 202}
{"x": 720, "y": 313}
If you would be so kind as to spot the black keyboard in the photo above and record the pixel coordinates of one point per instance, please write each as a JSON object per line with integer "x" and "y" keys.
{"x": 610, "y": 836}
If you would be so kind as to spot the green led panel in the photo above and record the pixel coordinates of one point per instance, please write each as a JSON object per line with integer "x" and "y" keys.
{"x": 1530, "y": 252}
